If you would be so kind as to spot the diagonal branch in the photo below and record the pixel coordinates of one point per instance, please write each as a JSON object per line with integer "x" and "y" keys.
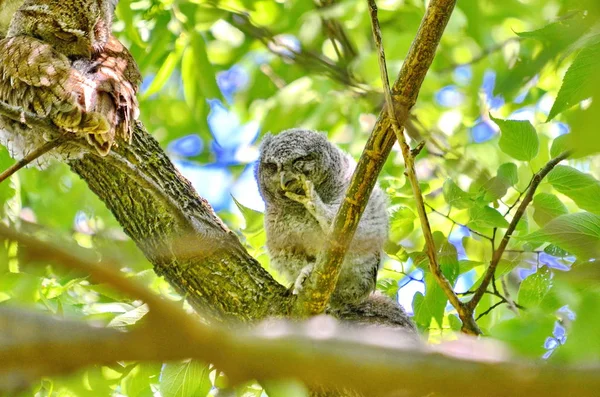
{"x": 469, "y": 325}
{"x": 322, "y": 281}
{"x": 535, "y": 181}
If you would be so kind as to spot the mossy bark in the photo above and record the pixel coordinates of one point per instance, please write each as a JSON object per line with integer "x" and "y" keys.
{"x": 180, "y": 234}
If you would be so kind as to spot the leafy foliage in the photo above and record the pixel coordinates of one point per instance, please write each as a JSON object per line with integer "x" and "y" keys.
{"x": 494, "y": 109}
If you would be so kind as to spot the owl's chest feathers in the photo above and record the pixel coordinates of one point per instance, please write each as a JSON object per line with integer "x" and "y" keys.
{"x": 293, "y": 231}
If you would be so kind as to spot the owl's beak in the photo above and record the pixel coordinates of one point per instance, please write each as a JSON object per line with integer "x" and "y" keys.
{"x": 286, "y": 179}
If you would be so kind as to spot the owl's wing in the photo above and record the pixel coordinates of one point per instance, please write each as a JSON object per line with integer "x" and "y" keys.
{"x": 116, "y": 78}
{"x": 38, "y": 79}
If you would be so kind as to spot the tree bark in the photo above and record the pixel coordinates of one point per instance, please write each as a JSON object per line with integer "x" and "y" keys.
{"x": 180, "y": 234}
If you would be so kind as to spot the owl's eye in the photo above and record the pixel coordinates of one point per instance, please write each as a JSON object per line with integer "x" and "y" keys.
{"x": 271, "y": 168}
{"x": 65, "y": 36}
{"x": 304, "y": 163}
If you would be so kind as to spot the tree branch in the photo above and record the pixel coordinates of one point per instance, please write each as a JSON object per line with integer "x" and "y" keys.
{"x": 372, "y": 361}
{"x": 469, "y": 325}
{"x": 323, "y": 279}
{"x": 306, "y": 58}
{"x": 535, "y": 181}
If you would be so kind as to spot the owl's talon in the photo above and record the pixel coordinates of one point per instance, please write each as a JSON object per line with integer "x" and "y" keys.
{"x": 299, "y": 283}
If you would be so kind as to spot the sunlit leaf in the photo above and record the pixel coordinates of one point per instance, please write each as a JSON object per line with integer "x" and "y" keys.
{"x": 580, "y": 187}
{"x": 576, "y": 233}
{"x": 188, "y": 378}
{"x": 486, "y": 217}
{"x": 535, "y": 287}
{"x": 455, "y": 196}
{"x": 165, "y": 71}
{"x": 518, "y": 139}
{"x": 547, "y": 207}
{"x": 253, "y": 218}
{"x": 509, "y": 173}
{"x": 401, "y": 222}
{"x": 576, "y": 84}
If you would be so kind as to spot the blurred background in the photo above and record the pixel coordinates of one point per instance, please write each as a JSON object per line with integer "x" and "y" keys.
{"x": 218, "y": 75}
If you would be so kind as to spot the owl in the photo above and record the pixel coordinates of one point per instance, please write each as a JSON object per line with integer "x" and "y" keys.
{"x": 302, "y": 178}
{"x": 60, "y": 61}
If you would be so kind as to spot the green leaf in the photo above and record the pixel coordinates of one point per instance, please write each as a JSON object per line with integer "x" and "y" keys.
{"x": 207, "y": 80}
{"x": 455, "y": 323}
{"x": 535, "y": 287}
{"x": 561, "y": 144}
{"x": 137, "y": 382}
{"x": 509, "y": 173}
{"x": 402, "y": 222}
{"x": 555, "y": 38}
{"x": 188, "y": 378}
{"x": 455, "y": 196}
{"x": 122, "y": 321}
{"x": 576, "y": 85}
{"x": 253, "y": 218}
{"x": 555, "y": 251}
{"x": 576, "y": 233}
{"x": 580, "y": 187}
{"x": 6, "y": 188}
{"x": 432, "y": 305}
{"x": 495, "y": 188}
{"x": 486, "y": 217}
{"x": 165, "y": 71}
{"x": 583, "y": 345}
{"x": 547, "y": 207}
{"x": 519, "y": 139}
{"x": 527, "y": 333}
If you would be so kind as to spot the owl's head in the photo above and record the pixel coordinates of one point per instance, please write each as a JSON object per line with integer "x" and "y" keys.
{"x": 75, "y": 28}
{"x": 294, "y": 154}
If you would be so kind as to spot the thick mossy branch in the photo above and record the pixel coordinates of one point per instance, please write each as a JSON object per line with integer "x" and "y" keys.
{"x": 405, "y": 90}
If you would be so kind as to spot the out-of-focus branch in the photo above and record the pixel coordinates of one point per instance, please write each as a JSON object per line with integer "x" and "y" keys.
{"x": 305, "y": 58}
{"x": 337, "y": 34}
{"x": 323, "y": 279}
{"x": 372, "y": 361}
{"x": 489, "y": 274}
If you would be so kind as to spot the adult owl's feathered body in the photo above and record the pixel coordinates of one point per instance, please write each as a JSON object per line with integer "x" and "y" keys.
{"x": 303, "y": 178}
{"x": 60, "y": 61}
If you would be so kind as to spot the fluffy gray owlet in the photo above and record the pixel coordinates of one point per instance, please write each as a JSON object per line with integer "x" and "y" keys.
{"x": 302, "y": 178}
{"x": 60, "y": 62}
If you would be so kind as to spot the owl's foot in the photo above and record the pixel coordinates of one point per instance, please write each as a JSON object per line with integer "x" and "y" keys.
{"x": 309, "y": 199}
{"x": 299, "y": 283}
{"x": 82, "y": 123}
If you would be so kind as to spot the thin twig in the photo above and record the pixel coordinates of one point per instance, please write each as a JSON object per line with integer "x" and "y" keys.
{"x": 30, "y": 157}
{"x": 513, "y": 205}
{"x": 508, "y": 297}
{"x": 535, "y": 181}
{"x": 457, "y": 223}
{"x": 410, "y": 172}
{"x": 488, "y": 311}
